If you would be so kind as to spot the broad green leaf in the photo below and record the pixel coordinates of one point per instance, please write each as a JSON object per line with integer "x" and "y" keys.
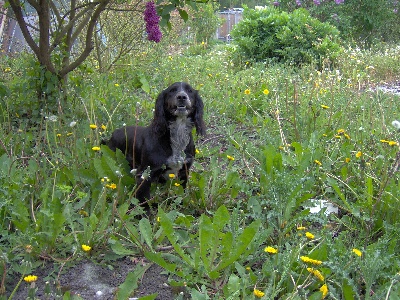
{"x": 126, "y": 289}
{"x": 167, "y": 226}
{"x": 159, "y": 260}
{"x": 146, "y": 231}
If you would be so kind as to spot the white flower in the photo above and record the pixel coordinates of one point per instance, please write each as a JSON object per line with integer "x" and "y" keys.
{"x": 396, "y": 124}
{"x": 72, "y": 124}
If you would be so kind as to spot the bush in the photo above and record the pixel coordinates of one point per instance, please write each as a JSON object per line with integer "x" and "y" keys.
{"x": 294, "y": 37}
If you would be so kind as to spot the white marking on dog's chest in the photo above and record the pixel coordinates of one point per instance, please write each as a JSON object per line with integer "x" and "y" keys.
{"x": 179, "y": 137}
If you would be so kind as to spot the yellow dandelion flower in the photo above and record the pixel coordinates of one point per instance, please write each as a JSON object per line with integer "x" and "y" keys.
{"x": 112, "y": 186}
{"x": 270, "y": 250}
{"x": 358, "y": 154}
{"x": 247, "y": 92}
{"x": 309, "y": 235}
{"x": 93, "y": 126}
{"x": 177, "y": 184}
{"x": 341, "y": 131}
{"x": 58, "y": 134}
{"x": 324, "y": 106}
{"x": 393, "y": 143}
{"x": 324, "y": 290}
{"x": 230, "y": 157}
{"x": 338, "y": 136}
{"x": 104, "y": 127}
{"x": 306, "y": 259}
{"x": 86, "y": 248}
{"x": 105, "y": 179}
{"x": 384, "y": 141}
{"x": 30, "y": 278}
{"x": 266, "y": 92}
{"x": 316, "y": 273}
{"x": 318, "y": 162}
{"x": 172, "y": 176}
{"x": 258, "y": 293}
{"x": 301, "y": 228}
{"x": 96, "y": 148}
{"x": 69, "y": 133}
{"x": 7, "y": 70}
{"x": 347, "y": 160}
{"x": 248, "y": 268}
{"x": 357, "y": 252}
{"x": 346, "y": 136}
{"x": 197, "y": 151}
{"x": 117, "y": 85}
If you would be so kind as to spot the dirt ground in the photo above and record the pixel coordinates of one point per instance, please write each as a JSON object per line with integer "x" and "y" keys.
{"x": 98, "y": 282}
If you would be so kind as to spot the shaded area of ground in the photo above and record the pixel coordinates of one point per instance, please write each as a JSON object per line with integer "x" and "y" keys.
{"x": 94, "y": 281}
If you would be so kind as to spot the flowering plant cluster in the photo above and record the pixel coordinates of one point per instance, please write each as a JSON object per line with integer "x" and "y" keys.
{"x": 152, "y": 22}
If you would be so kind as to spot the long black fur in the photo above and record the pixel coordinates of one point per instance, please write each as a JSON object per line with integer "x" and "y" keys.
{"x": 166, "y": 146}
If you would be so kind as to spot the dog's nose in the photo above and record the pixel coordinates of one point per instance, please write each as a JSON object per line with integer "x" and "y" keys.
{"x": 182, "y": 98}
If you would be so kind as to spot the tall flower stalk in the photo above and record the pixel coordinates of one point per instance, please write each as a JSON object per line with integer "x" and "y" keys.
{"x": 152, "y": 22}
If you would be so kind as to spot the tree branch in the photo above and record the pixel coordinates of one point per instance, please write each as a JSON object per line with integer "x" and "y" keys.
{"x": 16, "y": 7}
{"x": 89, "y": 39}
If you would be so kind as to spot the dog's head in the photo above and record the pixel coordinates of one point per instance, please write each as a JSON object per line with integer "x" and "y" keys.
{"x": 179, "y": 100}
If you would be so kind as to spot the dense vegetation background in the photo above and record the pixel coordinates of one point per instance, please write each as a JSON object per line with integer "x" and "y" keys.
{"x": 295, "y": 130}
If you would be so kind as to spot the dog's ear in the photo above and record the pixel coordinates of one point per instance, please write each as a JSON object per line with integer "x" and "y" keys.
{"x": 198, "y": 115}
{"x": 160, "y": 124}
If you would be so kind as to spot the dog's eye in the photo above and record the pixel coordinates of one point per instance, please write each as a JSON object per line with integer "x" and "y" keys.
{"x": 173, "y": 90}
{"x": 189, "y": 91}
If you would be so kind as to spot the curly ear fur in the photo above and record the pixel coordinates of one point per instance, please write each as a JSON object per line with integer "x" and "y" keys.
{"x": 198, "y": 116}
{"x": 160, "y": 123}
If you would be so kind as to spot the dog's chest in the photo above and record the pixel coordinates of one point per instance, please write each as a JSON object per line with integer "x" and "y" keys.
{"x": 179, "y": 139}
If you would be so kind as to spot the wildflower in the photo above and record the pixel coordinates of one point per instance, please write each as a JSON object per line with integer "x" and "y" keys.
{"x": 393, "y": 143}
{"x": 247, "y": 92}
{"x": 197, "y": 151}
{"x": 172, "y": 176}
{"x": 30, "y": 278}
{"x": 301, "y": 228}
{"x": 357, "y": 252}
{"x": 230, "y": 157}
{"x": 105, "y": 179}
{"x": 358, "y": 154}
{"x": 266, "y": 92}
{"x": 58, "y": 134}
{"x": 316, "y": 273}
{"x": 86, "y": 248}
{"x": 112, "y": 186}
{"x": 276, "y": 3}
{"x": 28, "y": 248}
{"x": 7, "y": 70}
{"x": 346, "y": 136}
{"x": 96, "y": 148}
{"x": 258, "y": 293}
{"x": 310, "y": 235}
{"x": 72, "y": 124}
{"x": 318, "y": 162}
{"x": 177, "y": 184}
{"x": 152, "y": 22}
{"x": 324, "y": 290}
{"x": 103, "y": 127}
{"x": 325, "y": 106}
{"x": 347, "y": 160}
{"x": 271, "y": 250}
{"x": 306, "y": 259}
{"x": 396, "y": 124}
{"x": 248, "y": 268}
{"x": 93, "y": 126}
{"x": 116, "y": 84}
{"x": 69, "y": 133}
{"x": 341, "y": 131}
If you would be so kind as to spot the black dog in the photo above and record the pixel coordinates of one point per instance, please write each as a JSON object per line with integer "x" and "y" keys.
{"x": 165, "y": 146}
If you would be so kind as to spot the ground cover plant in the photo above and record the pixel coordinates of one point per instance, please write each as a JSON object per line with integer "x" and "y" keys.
{"x": 280, "y": 141}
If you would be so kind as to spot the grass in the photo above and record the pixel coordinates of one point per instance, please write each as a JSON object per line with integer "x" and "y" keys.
{"x": 278, "y": 139}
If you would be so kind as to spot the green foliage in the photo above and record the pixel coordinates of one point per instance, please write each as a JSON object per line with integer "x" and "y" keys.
{"x": 365, "y": 22}
{"x": 295, "y": 38}
{"x": 281, "y": 141}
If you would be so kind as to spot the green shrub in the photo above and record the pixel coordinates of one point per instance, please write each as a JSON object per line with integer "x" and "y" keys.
{"x": 293, "y": 37}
